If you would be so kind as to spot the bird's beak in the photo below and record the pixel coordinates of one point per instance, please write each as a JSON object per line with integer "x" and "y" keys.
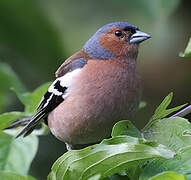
{"x": 139, "y": 36}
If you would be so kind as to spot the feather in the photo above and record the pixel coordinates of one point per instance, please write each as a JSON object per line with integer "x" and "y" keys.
{"x": 55, "y": 95}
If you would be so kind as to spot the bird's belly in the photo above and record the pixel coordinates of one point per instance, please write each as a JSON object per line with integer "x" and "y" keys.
{"x": 88, "y": 118}
{"x": 90, "y": 111}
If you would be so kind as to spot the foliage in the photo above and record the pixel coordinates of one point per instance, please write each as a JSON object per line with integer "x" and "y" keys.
{"x": 160, "y": 151}
{"x": 177, "y": 135}
{"x": 120, "y": 152}
{"x": 30, "y": 101}
{"x": 168, "y": 175}
{"x": 7, "y": 118}
{"x": 17, "y": 154}
{"x": 132, "y": 151}
{"x": 30, "y": 35}
{"x": 187, "y": 51}
{"x": 8, "y": 79}
{"x": 33, "y": 34}
{"x": 162, "y": 111}
{"x": 11, "y": 176}
{"x": 107, "y": 158}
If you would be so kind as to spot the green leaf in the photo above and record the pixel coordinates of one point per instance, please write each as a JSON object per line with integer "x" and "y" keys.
{"x": 181, "y": 163}
{"x": 95, "y": 177}
{"x": 123, "y": 139}
{"x": 171, "y": 132}
{"x": 32, "y": 100}
{"x": 14, "y": 176}
{"x": 169, "y": 175}
{"x": 187, "y": 51}
{"x": 8, "y": 80}
{"x": 7, "y": 118}
{"x": 125, "y": 127}
{"x": 116, "y": 177}
{"x": 120, "y": 129}
{"x": 162, "y": 111}
{"x": 106, "y": 159}
{"x": 17, "y": 154}
{"x": 134, "y": 172}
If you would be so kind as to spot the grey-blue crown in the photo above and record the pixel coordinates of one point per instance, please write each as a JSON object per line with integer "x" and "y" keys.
{"x": 93, "y": 47}
{"x": 122, "y": 25}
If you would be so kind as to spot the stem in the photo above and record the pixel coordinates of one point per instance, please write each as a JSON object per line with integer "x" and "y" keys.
{"x": 19, "y": 122}
{"x": 183, "y": 112}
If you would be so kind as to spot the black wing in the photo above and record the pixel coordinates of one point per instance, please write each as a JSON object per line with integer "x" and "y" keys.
{"x": 49, "y": 102}
{"x": 53, "y": 97}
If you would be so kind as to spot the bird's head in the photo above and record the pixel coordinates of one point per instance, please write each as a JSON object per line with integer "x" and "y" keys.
{"x": 115, "y": 39}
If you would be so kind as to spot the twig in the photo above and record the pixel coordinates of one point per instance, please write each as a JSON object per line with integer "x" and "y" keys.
{"x": 183, "y": 112}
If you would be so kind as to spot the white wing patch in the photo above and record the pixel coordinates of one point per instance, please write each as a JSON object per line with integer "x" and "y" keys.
{"x": 47, "y": 102}
{"x": 65, "y": 81}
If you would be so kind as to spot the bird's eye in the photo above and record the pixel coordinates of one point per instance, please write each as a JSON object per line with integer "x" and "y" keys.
{"x": 118, "y": 33}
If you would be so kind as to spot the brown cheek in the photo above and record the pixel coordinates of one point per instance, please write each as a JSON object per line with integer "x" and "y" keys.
{"x": 113, "y": 44}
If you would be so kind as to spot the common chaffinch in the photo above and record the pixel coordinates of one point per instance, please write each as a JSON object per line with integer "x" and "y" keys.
{"x": 95, "y": 88}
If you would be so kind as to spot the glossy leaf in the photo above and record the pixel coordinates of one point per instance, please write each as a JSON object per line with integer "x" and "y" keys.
{"x": 106, "y": 159}
{"x": 134, "y": 172}
{"x": 123, "y": 139}
{"x": 14, "y": 176}
{"x": 181, "y": 164}
{"x": 7, "y": 118}
{"x": 125, "y": 127}
{"x": 169, "y": 175}
{"x": 17, "y": 154}
{"x": 172, "y": 132}
{"x": 95, "y": 177}
{"x": 187, "y": 51}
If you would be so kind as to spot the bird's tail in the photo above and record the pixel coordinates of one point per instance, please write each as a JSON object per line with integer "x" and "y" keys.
{"x": 34, "y": 121}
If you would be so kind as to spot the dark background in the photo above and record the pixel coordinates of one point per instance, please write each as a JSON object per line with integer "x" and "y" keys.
{"x": 37, "y": 36}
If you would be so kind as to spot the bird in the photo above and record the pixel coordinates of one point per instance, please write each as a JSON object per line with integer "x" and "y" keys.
{"x": 94, "y": 88}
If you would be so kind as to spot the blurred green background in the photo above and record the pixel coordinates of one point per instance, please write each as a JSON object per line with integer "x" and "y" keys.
{"x": 36, "y": 36}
